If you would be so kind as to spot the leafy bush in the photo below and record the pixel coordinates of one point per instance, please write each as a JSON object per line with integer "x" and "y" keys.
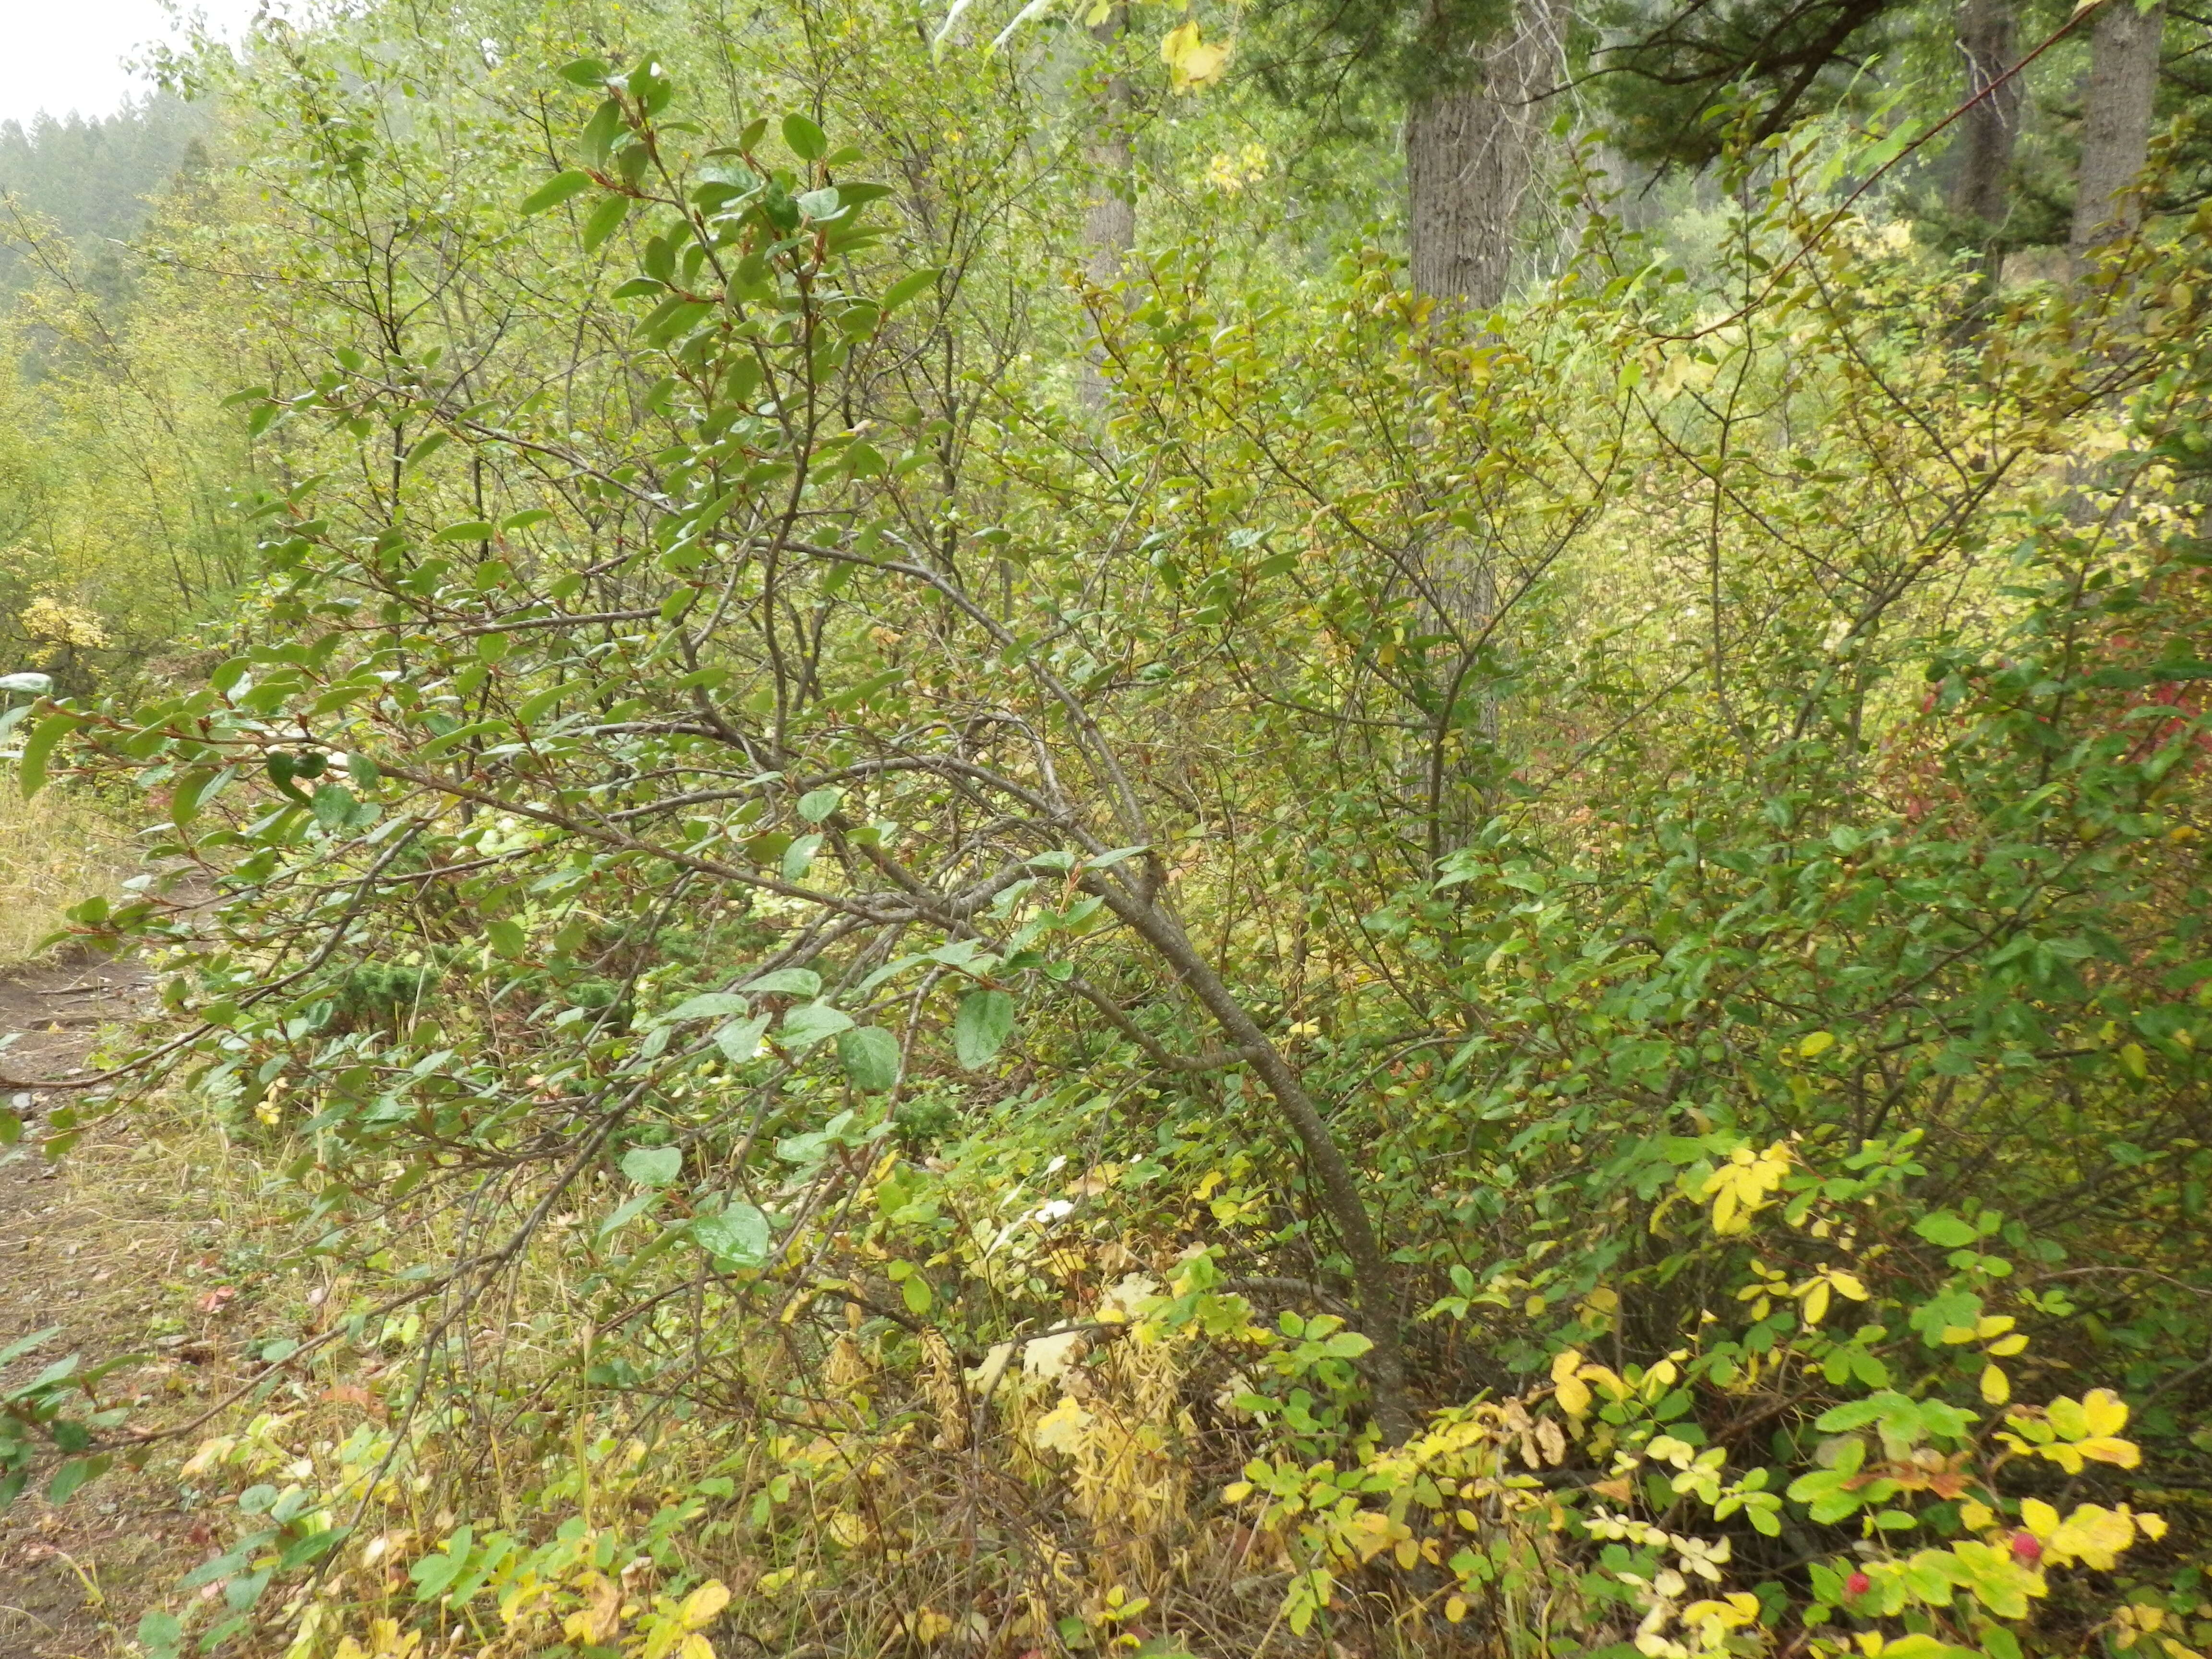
{"x": 1538, "y": 988}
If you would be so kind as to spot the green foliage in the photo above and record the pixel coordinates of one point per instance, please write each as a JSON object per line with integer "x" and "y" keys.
{"x": 90, "y": 178}
{"x": 1549, "y": 980}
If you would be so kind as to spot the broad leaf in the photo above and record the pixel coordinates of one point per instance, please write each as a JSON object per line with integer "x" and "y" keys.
{"x": 789, "y": 981}
{"x": 710, "y": 1004}
{"x": 739, "y": 1236}
{"x": 870, "y": 1055}
{"x": 557, "y": 189}
{"x": 810, "y": 1022}
{"x": 653, "y": 1166}
{"x": 981, "y": 1028}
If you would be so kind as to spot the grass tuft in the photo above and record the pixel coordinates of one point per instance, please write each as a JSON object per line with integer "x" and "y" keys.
{"x": 55, "y": 852}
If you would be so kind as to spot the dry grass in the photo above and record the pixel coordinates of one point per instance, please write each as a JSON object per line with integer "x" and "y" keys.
{"x": 55, "y": 852}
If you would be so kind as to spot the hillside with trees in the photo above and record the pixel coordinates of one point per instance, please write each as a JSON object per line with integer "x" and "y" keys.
{"x": 1296, "y": 829}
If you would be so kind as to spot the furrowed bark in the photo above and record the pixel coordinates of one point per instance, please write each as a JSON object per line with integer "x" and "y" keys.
{"x": 1471, "y": 154}
{"x": 1990, "y": 127}
{"x": 2124, "y": 46}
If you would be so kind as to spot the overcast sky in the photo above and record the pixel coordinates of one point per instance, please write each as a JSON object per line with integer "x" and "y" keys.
{"x": 64, "y": 55}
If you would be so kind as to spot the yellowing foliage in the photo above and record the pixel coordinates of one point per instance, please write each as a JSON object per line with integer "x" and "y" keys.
{"x": 1193, "y": 62}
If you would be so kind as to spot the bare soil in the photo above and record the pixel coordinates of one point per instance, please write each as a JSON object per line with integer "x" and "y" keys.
{"x": 90, "y": 1247}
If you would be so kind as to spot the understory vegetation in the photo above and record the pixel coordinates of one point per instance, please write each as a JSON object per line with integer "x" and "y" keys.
{"x": 917, "y": 949}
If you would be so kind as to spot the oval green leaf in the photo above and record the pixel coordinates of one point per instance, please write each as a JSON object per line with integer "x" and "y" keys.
{"x": 738, "y": 1237}
{"x": 907, "y": 287}
{"x": 557, "y": 189}
{"x": 653, "y": 1166}
{"x": 739, "y": 1040}
{"x": 806, "y": 139}
{"x": 870, "y": 1055}
{"x": 31, "y": 769}
{"x": 709, "y": 1005}
{"x": 606, "y": 219}
{"x": 810, "y": 1022}
{"x": 981, "y": 1028}
{"x": 790, "y": 981}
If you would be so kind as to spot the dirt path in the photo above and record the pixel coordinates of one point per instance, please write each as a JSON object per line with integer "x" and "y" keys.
{"x": 68, "y": 1258}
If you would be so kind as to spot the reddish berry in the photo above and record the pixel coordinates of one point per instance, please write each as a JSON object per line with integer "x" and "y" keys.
{"x": 2025, "y": 1549}
{"x": 1858, "y": 1583}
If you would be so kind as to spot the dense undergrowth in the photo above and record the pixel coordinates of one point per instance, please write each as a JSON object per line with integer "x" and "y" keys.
{"x": 54, "y": 853}
{"x": 1528, "y": 984}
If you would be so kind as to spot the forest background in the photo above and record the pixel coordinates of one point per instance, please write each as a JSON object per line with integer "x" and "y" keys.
{"x": 1343, "y": 828}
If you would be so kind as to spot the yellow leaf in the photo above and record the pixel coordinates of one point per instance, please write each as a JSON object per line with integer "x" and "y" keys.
{"x": 2039, "y": 1517}
{"x": 1818, "y": 1044}
{"x": 1191, "y": 62}
{"x": 1237, "y": 1491}
{"x": 1996, "y": 1387}
{"x": 2152, "y": 1526}
{"x": 1743, "y": 1184}
{"x": 1975, "y": 1517}
{"x": 1573, "y": 1395}
{"x": 2095, "y": 1536}
{"x": 210, "y": 1452}
{"x": 1454, "y": 1609}
{"x": 1204, "y": 66}
{"x": 2008, "y": 1346}
{"x": 2105, "y": 1449}
{"x": 598, "y": 1623}
{"x": 1816, "y": 1302}
{"x": 1368, "y": 1532}
{"x": 1724, "y": 1220}
{"x": 702, "y": 1604}
{"x": 2104, "y": 1412}
{"x": 695, "y": 1646}
{"x": 1848, "y": 1284}
{"x": 1061, "y": 1428}
{"x": 928, "y": 1626}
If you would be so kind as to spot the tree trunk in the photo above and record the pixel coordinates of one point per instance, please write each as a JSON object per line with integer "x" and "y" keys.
{"x": 2123, "y": 44}
{"x": 1373, "y": 1282}
{"x": 1992, "y": 125}
{"x": 1109, "y": 219}
{"x": 1470, "y": 161}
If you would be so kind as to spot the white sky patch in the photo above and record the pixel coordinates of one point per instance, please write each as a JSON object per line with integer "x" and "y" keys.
{"x": 64, "y": 55}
